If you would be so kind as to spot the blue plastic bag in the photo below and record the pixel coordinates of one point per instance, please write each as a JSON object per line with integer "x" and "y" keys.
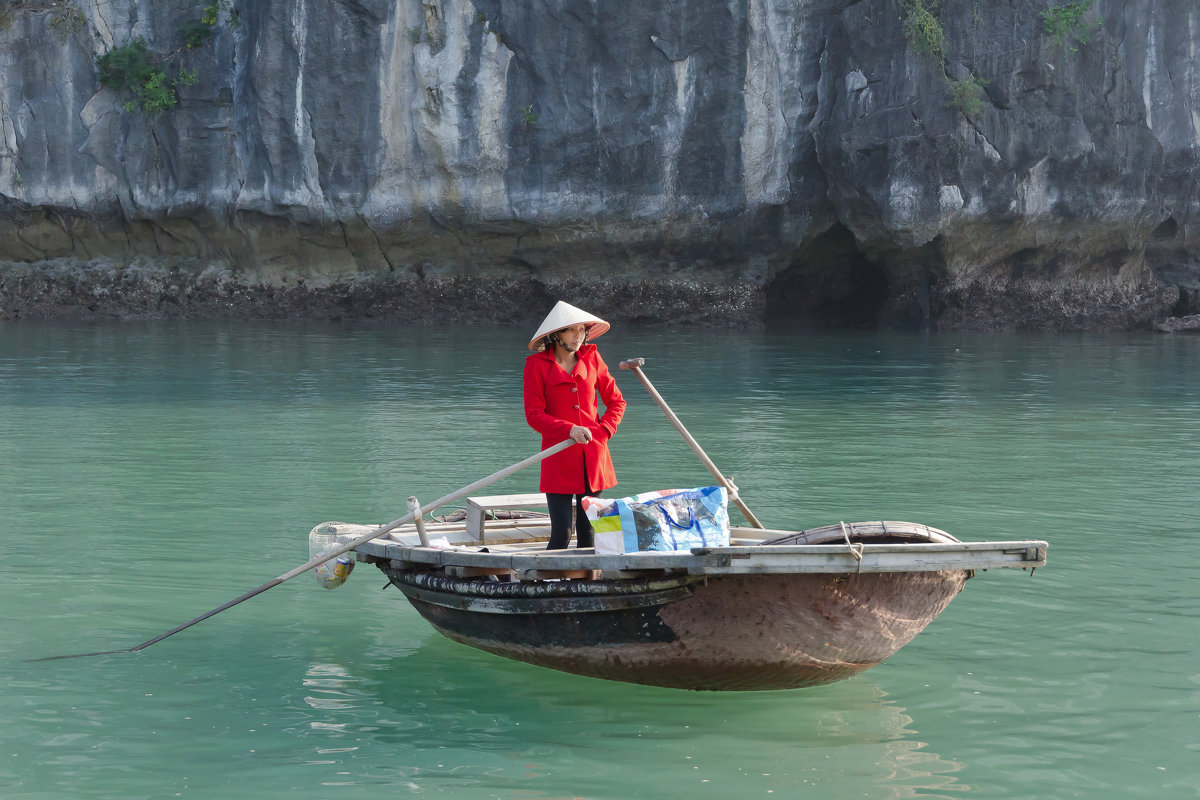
{"x": 680, "y": 521}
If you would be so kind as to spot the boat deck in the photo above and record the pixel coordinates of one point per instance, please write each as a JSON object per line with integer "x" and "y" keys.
{"x": 517, "y": 548}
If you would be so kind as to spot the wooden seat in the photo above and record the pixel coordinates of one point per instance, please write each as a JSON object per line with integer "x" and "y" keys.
{"x": 478, "y": 508}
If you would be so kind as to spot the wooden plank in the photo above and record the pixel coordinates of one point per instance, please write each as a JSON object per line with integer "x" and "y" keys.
{"x": 931, "y": 547}
{"x": 508, "y": 501}
{"x": 736, "y": 532}
{"x": 836, "y": 533}
{"x": 478, "y": 508}
{"x": 475, "y": 515}
{"x": 876, "y": 562}
{"x": 476, "y": 572}
{"x": 624, "y": 574}
{"x": 748, "y": 560}
{"x": 757, "y": 533}
{"x": 557, "y": 574}
{"x": 499, "y": 531}
{"x": 1031, "y": 549}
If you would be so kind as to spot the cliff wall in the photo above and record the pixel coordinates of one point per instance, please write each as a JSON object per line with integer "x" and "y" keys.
{"x": 793, "y": 162}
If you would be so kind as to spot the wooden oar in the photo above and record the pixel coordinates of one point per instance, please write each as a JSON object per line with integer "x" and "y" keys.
{"x": 345, "y": 548}
{"x": 635, "y": 364}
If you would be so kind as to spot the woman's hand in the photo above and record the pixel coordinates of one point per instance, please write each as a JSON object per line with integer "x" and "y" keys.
{"x": 581, "y": 434}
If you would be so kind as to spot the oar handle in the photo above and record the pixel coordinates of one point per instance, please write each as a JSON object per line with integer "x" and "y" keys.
{"x": 636, "y": 364}
{"x": 410, "y": 516}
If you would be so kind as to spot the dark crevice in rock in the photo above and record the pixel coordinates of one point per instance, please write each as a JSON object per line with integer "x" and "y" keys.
{"x": 1188, "y": 302}
{"x": 1166, "y": 230}
{"x": 829, "y": 284}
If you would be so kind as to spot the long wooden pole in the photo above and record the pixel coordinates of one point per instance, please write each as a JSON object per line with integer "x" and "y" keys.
{"x": 635, "y": 364}
{"x": 345, "y": 548}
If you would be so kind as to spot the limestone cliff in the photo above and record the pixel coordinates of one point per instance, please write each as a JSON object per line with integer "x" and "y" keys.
{"x": 794, "y": 162}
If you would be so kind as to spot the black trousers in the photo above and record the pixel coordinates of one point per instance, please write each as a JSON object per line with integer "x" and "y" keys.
{"x": 560, "y": 507}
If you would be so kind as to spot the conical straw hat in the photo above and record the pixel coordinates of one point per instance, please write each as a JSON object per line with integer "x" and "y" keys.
{"x": 564, "y": 315}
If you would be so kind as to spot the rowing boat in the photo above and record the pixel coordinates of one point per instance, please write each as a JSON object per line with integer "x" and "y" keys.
{"x": 770, "y": 609}
{"x": 774, "y": 609}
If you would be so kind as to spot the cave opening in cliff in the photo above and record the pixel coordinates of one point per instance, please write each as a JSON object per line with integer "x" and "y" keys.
{"x": 829, "y": 284}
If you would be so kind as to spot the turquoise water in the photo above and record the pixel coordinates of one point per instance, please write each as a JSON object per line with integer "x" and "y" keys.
{"x": 151, "y": 472}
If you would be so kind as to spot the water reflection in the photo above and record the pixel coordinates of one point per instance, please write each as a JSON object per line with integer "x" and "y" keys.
{"x": 452, "y": 714}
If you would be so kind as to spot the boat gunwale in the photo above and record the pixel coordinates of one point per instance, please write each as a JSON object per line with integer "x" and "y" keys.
{"x": 736, "y": 559}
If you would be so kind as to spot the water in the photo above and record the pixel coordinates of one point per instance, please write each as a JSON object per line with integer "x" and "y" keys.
{"x": 151, "y": 472}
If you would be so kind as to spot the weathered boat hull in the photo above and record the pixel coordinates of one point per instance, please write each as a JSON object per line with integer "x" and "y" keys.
{"x": 727, "y": 632}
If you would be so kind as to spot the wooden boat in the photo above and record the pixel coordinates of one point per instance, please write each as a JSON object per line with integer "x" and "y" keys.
{"x": 773, "y": 610}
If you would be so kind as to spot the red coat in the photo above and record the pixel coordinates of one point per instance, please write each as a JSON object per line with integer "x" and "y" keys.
{"x": 555, "y": 402}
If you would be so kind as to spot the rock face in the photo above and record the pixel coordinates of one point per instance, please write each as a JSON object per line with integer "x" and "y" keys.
{"x": 1177, "y": 324}
{"x": 788, "y": 162}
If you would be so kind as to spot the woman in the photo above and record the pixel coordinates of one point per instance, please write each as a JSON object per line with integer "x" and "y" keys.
{"x": 562, "y": 379}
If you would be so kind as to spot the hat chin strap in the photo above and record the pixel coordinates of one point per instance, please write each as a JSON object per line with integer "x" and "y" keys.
{"x": 556, "y": 339}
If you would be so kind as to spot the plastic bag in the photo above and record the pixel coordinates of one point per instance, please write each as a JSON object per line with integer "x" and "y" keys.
{"x": 605, "y": 517}
{"x": 673, "y": 519}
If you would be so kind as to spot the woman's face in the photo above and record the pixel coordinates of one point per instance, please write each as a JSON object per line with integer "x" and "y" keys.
{"x": 573, "y": 336}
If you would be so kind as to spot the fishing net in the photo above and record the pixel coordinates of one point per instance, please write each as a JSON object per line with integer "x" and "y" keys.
{"x": 328, "y": 537}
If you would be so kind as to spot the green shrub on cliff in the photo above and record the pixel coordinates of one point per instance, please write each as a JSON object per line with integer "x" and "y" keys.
{"x": 133, "y": 68}
{"x": 1066, "y": 21}
{"x": 926, "y": 35}
{"x": 198, "y": 31}
{"x": 966, "y": 95}
{"x": 922, "y": 28}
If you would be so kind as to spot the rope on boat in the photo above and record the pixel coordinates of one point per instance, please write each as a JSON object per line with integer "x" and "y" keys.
{"x": 489, "y": 514}
{"x": 855, "y": 550}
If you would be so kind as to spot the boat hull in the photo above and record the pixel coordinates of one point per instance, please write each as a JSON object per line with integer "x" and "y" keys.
{"x": 728, "y": 632}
